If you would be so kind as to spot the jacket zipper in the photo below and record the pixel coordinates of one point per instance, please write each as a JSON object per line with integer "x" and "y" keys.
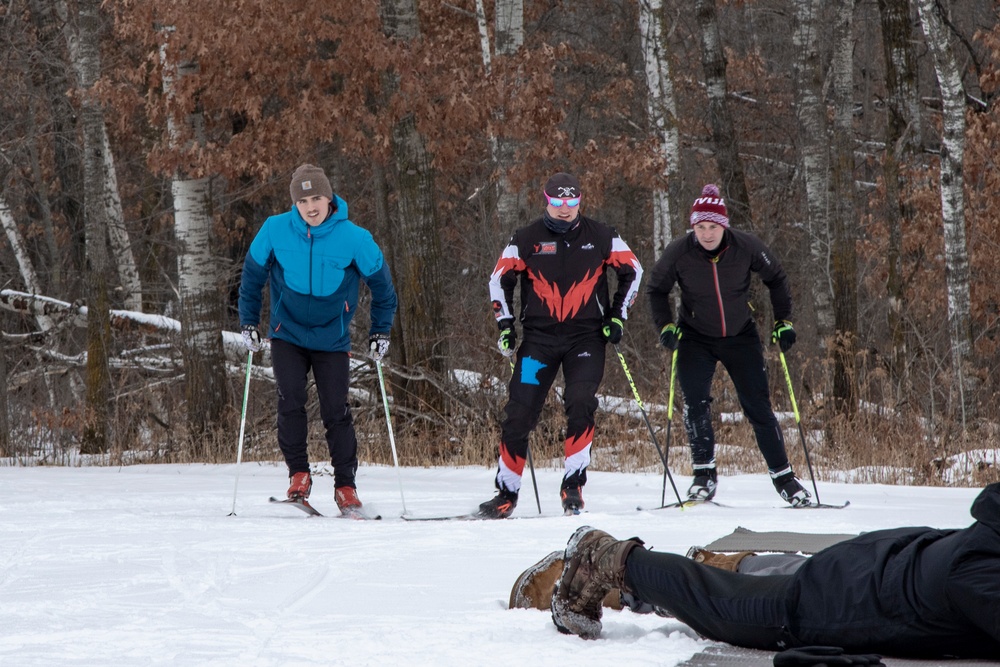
{"x": 718, "y": 293}
{"x": 310, "y": 237}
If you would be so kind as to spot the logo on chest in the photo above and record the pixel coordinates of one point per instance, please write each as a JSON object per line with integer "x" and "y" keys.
{"x": 545, "y": 248}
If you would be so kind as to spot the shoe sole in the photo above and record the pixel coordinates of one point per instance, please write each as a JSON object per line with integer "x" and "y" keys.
{"x": 566, "y": 621}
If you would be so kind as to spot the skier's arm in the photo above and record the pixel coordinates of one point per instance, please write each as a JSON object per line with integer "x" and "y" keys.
{"x": 256, "y": 269}
{"x": 629, "y": 271}
{"x": 773, "y": 275}
{"x": 661, "y": 282}
{"x": 503, "y": 280}
{"x": 375, "y": 272}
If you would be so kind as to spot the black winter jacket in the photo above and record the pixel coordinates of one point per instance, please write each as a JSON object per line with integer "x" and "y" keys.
{"x": 918, "y": 592}
{"x": 715, "y": 286}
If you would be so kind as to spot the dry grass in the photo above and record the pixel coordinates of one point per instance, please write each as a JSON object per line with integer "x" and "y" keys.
{"x": 890, "y": 446}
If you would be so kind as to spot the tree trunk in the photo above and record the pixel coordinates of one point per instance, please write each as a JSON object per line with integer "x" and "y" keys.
{"x": 509, "y": 39}
{"x": 128, "y": 273}
{"x": 417, "y": 244}
{"x": 661, "y": 105}
{"x": 201, "y": 316}
{"x": 901, "y": 143}
{"x": 814, "y": 149}
{"x": 713, "y": 60}
{"x": 6, "y": 447}
{"x": 952, "y": 201}
{"x": 843, "y": 218}
{"x": 97, "y": 420}
{"x": 27, "y": 269}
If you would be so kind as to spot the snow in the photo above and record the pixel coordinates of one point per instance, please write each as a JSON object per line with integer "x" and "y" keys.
{"x": 142, "y": 565}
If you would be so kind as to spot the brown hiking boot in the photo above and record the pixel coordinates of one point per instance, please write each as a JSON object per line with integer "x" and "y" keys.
{"x": 728, "y": 562}
{"x": 593, "y": 564}
{"x": 533, "y": 588}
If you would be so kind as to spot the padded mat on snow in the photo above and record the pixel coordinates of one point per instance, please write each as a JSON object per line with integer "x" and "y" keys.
{"x": 743, "y": 539}
{"x": 724, "y": 655}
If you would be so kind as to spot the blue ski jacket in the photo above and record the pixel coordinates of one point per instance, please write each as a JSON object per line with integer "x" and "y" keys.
{"x": 314, "y": 274}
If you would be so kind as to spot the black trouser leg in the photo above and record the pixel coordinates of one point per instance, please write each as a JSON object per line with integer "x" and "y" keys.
{"x": 583, "y": 369}
{"x": 535, "y": 369}
{"x": 291, "y": 366}
{"x": 332, "y": 373}
{"x": 743, "y": 359}
{"x": 744, "y": 610}
{"x": 695, "y": 369}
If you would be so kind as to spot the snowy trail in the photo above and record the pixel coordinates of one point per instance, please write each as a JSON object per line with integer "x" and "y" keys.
{"x": 142, "y": 566}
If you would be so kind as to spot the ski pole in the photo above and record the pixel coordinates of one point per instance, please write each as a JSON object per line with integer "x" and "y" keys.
{"x": 243, "y": 422}
{"x": 798, "y": 422}
{"x": 652, "y": 434}
{"x": 392, "y": 438}
{"x": 531, "y": 464}
{"x": 670, "y": 421}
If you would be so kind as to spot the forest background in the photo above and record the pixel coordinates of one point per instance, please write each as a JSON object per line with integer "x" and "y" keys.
{"x": 143, "y": 143}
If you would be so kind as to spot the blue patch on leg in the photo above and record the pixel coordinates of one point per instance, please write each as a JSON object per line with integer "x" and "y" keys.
{"x": 529, "y": 370}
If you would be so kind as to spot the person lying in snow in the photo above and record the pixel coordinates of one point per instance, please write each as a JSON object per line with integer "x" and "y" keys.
{"x": 908, "y": 592}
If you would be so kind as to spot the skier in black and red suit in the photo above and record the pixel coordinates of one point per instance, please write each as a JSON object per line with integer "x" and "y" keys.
{"x": 567, "y": 317}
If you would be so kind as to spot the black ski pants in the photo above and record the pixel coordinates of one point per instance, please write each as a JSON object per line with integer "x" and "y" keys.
{"x": 582, "y": 363}
{"x": 330, "y": 371}
{"x": 740, "y": 609}
{"x": 743, "y": 358}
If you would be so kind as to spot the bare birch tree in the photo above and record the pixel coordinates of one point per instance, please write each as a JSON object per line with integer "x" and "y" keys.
{"x": 815, "y": 157}
{"x": 952, "y": 199}
{"x": 124, "y": 259}
{"x": 509, "y": 37}
{"x": 24, "y": 263}
{"x": 206, "y": 388}
{"x": 662, "y": 109}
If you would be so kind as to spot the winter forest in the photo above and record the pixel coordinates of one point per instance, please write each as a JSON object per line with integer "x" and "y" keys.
{"x": 142, "y": 144}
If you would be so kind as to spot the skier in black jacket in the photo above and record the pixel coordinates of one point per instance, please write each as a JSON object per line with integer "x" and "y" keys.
{"x": 561, "y": 261}
{"x": 907, "y": 592}
{"x": 712, "y": 266}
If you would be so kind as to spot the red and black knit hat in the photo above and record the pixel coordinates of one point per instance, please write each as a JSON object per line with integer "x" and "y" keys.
{"x": 710, "y": 207}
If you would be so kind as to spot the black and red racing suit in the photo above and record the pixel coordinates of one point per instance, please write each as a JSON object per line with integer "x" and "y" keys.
{"x": 564, "y": 302}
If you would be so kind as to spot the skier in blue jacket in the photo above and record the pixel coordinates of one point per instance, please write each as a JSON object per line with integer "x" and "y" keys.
{"x": 314, "y": 258}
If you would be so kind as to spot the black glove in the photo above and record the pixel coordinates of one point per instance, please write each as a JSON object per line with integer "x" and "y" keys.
{"x": 613, "y": 330}
{"x": 508, "y": 337}
{"x": 823, "y": 656}
{"x": 251, "y": 337}
{"x": 378, "y": 345}
{"x": 783, "y": 334}
{"x": 670, "y": 336}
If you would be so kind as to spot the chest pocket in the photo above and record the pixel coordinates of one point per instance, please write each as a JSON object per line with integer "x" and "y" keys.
{"x": 328, "y": 273}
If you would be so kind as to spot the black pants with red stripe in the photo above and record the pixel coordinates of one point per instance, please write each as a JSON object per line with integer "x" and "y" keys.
{"x": 742, "y": 357}
{"x": 330, "y": 370}
{"x": 535, "y": 369}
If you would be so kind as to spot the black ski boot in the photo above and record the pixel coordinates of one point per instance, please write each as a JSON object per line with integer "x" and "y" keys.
{"x": 790, "y": 489}
{"x": 572, "y": 500}
{"x": 500, "y": 507}
{"x": 704, "y": 484}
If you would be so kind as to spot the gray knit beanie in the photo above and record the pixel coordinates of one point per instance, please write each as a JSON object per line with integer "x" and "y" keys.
{"x": 309, "y": 181}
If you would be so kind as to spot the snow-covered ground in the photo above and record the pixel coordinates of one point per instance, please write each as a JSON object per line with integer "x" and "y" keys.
{"x": 143, "y": 565}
